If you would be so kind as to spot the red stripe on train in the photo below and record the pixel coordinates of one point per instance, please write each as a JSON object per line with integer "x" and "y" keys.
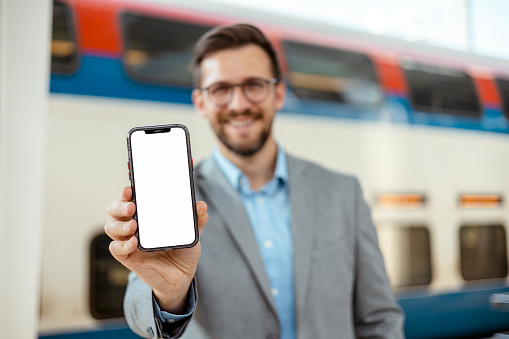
{"x": 488, "y": 93}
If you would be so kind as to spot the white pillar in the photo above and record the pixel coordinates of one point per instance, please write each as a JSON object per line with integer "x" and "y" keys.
{"x": 25, "y": 30}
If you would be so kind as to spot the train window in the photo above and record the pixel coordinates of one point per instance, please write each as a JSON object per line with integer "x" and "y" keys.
{"x": 108, "y": 280}
{"x": 159, "y": 50}
{"x": 439, "y": 89}
{"x": 483, "y": 252}
{"x": 503, "y": 88}
{"x": 322, "y": 73}
{"x": 64, "y": 49}
{"x": 407, "y": 254}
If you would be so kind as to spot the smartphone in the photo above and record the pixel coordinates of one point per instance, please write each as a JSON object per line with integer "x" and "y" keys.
{"x": 161, "y": 175}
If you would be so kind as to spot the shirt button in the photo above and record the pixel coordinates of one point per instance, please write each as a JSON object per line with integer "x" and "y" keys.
{"x": 274, "y": 292}
{"x": 268, "y": 244}
{"x": 260, "y": 200}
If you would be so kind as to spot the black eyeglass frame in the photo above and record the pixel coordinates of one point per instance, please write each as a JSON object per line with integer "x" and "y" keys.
{"x": 242, "y": 86}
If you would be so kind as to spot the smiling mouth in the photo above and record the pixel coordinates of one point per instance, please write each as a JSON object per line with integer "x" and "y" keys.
{"x": 241, "y": 123}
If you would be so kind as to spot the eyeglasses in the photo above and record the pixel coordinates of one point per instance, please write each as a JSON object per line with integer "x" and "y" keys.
{"x": 255, "y": 90}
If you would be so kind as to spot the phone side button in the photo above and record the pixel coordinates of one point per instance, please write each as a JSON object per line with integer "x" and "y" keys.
{"x": 129, "y": 175}
{"x": 192, "y": 163}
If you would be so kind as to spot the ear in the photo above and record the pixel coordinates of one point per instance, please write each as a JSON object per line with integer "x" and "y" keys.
{"x": 198, "y": 102}
{"x": 280, "y": 95}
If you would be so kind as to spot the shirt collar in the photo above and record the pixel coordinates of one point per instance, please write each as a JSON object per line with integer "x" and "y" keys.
{"x": 235, "y": 176}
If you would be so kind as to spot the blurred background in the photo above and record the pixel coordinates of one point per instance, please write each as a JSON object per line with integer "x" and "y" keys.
{"x": 411, "y": 97}
{"x": 475, "y": 26}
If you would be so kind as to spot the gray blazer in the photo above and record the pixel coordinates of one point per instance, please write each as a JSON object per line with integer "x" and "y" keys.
{"x": 341, "y": 287}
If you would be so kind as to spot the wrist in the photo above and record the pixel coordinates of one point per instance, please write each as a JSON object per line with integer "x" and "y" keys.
{"x": 173, "y": 302}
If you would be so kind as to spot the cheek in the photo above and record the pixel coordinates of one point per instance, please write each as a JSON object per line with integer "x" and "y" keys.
{"x": 212, "y": 115}
{"x": 270, "y": 109}
{"x": 206, "y": 111}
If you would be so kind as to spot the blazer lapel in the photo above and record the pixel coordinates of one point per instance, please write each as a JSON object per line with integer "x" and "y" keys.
{"x": 226, "y": 201}
{"x": 303, "y": 200}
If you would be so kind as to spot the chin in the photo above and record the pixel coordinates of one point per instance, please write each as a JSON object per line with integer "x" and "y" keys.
{"x": 246, "y": 149}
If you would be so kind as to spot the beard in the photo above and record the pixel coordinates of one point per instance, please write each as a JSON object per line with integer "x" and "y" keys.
{"x": 245, "y": 150}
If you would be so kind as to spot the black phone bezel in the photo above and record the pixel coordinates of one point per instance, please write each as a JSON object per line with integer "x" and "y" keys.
{"x": 151, "y": 130}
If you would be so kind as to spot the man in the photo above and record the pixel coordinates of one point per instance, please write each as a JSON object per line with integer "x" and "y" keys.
{"x": 289, "y": 249}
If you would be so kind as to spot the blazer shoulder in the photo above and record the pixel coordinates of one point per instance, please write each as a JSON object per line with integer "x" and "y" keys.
{"x": 319, "y": 172}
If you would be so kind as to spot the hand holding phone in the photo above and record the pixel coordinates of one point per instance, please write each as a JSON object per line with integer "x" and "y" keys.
{"x": 169, "y": 272}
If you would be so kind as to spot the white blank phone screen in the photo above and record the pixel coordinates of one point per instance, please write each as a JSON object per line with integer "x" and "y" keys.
{"x": 162, "y": 185}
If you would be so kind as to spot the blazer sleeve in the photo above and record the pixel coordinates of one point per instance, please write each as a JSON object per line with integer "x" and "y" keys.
{"x": 377, "y": 314}
{"x": 140, "y": 315}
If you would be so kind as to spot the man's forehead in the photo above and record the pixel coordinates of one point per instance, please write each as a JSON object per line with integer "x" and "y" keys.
{"x": 245, "y": 61}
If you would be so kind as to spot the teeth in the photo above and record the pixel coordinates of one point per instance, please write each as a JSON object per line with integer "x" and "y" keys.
{"x": 240, "y": 123}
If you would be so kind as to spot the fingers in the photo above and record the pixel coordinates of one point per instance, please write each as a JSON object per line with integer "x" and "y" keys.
{"x": 121, "y": 210}
{"x": 201, "y": 212}
{"x": 124, "y": 208}
{"x": 127, "y": 194}
{"x": 120, "y": 230}
{"x": 121, "y": 249}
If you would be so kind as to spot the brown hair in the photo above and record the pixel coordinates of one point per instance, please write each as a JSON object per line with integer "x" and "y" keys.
{"x": 226, "y": 37}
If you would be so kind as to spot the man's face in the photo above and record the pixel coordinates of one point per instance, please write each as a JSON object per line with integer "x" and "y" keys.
{"x": 241, "y": 125}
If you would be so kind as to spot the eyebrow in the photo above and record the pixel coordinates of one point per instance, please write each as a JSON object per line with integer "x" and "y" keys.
{"x": 230, "y": 83}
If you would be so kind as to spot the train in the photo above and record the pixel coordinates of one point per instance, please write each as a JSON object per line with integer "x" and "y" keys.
{"x": 425, "y": 129}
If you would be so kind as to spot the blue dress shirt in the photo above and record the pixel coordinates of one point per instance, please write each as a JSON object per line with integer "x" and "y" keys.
{"x": 268, "y": 210}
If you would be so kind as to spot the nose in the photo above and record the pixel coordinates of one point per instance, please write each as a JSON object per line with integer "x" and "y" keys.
{"x": 238, "y": 101}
